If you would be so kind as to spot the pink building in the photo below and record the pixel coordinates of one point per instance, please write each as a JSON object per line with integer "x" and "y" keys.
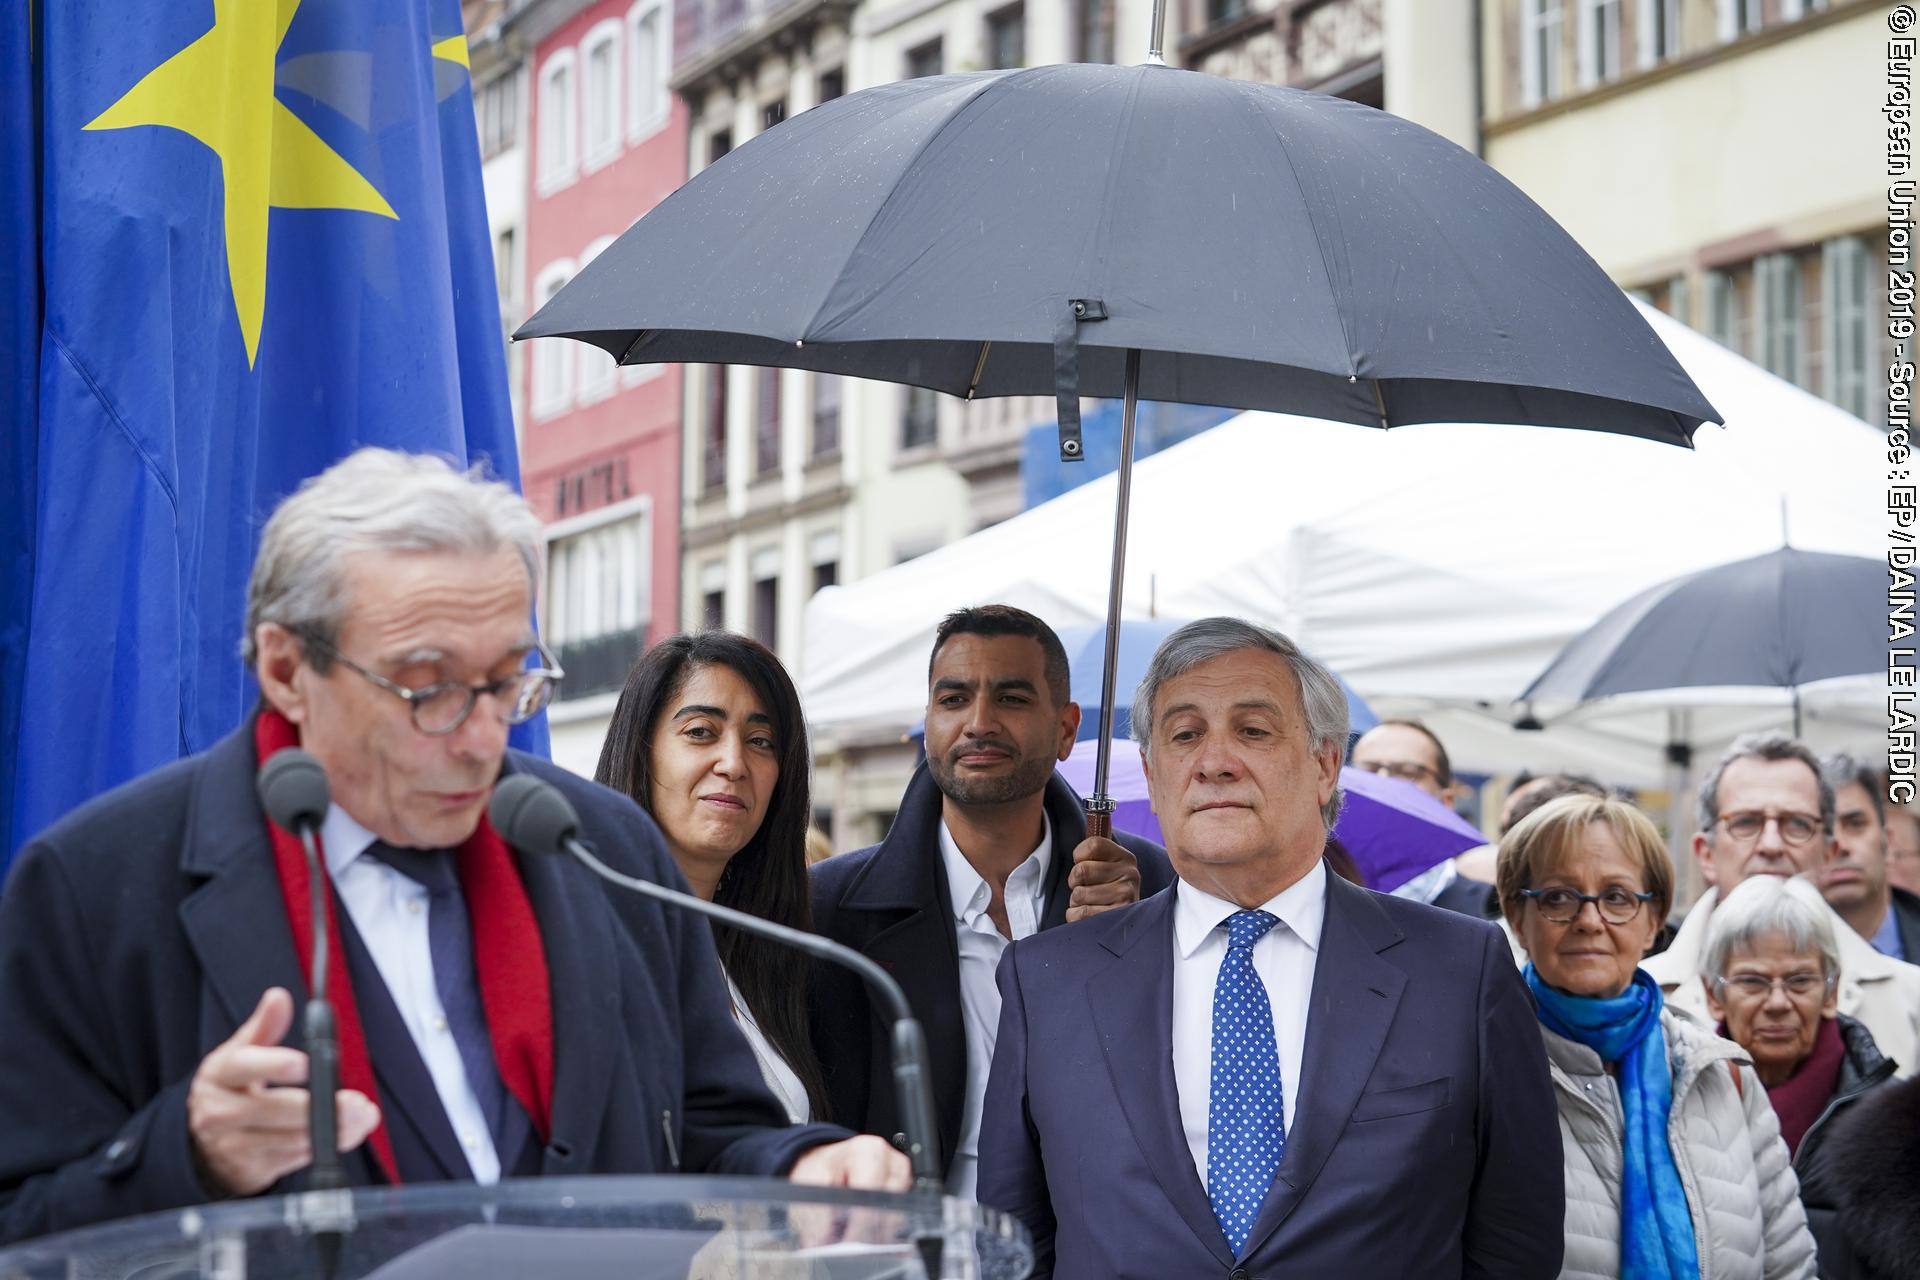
{"x": 600, "y": 448}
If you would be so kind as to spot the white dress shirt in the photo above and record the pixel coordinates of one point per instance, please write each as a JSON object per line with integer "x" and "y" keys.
{"x": 389, "y": 910}
{"x": 981, "y": 943}
{"x": 1284, "y": 960}
{"x": 781, "y": 1079}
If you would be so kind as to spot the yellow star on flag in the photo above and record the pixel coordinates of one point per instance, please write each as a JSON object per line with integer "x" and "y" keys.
{"x": 219, "y": 90}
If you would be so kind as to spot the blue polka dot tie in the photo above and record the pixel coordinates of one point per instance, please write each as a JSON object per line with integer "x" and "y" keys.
{"x": 1246, "y": 1125}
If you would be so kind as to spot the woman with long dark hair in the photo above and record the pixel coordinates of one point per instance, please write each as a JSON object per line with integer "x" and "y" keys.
{"x": 708, "y": 738}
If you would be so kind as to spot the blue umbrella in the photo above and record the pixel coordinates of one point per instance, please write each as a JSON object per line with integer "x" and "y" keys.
{"x": 1139, "y": 637}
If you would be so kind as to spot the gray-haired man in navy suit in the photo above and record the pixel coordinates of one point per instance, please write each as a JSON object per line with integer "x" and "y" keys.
{"x": 1265, "y": 1070}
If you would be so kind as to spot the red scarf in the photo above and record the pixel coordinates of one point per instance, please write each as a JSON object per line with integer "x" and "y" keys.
{"x": 1801, "y": 1097}
{"x": 509, "y": 957}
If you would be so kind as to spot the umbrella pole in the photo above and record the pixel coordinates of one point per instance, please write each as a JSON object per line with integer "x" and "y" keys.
{"x": 1100, "y": 804}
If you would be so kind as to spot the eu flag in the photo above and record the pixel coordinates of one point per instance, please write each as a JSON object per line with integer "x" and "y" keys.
{"x": 252, "y": 239}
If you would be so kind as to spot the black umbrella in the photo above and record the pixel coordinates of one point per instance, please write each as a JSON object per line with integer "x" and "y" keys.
{"x": 1781, "y": 620}
{"x": 1136, "y": 231}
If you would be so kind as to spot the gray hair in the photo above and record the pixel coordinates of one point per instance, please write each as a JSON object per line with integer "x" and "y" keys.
{"x": 375, "y": 500}
{"x": 1763, "y": 906}
{"x": 1764, "y": 746}
{"x": 1842, "y": 770}
{"x": 1209, "y": 638}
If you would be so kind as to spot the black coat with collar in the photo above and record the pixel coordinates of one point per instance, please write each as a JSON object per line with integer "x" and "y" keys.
{"x": 1906, "y": 914}
{"x": 138, "y": 932}
{"x": 890, "y": 902}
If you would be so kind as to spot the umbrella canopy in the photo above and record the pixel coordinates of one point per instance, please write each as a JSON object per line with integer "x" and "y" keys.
{"x": 1784, "y": 619}
{"x": 1261, "y": 247}
{"x": 1139, "y": 637}
{"x": 1393, "y": 829}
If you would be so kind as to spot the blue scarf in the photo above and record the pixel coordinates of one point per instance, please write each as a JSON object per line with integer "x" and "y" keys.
{"x": 1656, "y": 1228}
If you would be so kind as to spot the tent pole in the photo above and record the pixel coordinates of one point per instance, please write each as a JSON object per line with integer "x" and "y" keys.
{"x": 1100, "y": 804}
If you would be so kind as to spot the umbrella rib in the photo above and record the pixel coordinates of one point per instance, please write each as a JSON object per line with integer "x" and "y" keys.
{"x": 1326, "y": 271}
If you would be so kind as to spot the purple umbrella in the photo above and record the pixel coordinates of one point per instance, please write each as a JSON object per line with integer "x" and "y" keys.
{"x": 1393, "y": 829}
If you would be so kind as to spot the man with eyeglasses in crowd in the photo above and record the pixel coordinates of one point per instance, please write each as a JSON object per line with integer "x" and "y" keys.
{"x": 1766, "y": 809}
{"x": 1411, "y": 752}
{"x": 501, "y": 1012}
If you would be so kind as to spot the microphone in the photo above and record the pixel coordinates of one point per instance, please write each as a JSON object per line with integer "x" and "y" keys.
{"x": 293, "y": 790}
{"x": 532, "y": 814}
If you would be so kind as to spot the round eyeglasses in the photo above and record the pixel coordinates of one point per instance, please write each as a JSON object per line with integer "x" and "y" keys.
{"x": 439, "y": 709}
{"x": 1753, "y": 986}
{"x": 1563, "y": 906}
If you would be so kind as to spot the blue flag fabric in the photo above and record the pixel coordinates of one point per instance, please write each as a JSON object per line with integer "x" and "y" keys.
{"x": 262, "y": 243}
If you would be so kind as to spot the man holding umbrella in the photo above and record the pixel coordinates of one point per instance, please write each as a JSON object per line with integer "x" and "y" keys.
{"x": 989, "y": 845}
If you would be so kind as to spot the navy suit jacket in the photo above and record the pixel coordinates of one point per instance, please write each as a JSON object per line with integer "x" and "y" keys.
{"x": 139, "y": 931}
{"x": 890, "y": 902}
{"x": 1425, "y": 1142}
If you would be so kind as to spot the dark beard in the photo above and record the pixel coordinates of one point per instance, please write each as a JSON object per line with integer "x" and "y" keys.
{"x": 1027, "y": 777}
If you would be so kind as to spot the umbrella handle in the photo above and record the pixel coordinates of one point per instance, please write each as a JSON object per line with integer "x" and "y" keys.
{"x": 1100, "y": 817}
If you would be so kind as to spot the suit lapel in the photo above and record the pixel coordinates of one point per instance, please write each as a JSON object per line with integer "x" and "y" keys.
{"x": 577, "y": 930}
{"x": 1355, "y": 995}
{"x": 1069, "y": 821}
{"x": 1132, "y": 1001}
{"x": 236, "y": 920}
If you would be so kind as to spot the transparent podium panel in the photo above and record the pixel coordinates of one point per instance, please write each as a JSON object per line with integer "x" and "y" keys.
{"x": 548, "y": 1229}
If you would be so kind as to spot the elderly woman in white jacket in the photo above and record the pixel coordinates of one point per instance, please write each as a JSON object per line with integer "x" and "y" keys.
{"x": 1675, "y": 1166}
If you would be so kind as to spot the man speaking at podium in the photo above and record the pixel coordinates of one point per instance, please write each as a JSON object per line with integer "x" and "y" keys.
{"x": 500, "y": 1013}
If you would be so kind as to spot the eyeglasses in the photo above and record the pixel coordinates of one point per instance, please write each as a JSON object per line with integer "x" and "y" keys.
{"x": 1563, "y": 906}
{"x": 1405, "y": 770}
{"x": 1795, "y": 828}
{"x": 439, "y": 709}
{"x": 1752, "y": 986}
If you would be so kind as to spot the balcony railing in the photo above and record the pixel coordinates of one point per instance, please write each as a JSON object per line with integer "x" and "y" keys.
{"x": 700, "y": 26}
{"x": 598, "y": 664}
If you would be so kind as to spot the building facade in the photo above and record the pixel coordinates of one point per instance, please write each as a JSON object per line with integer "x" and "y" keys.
{"x": 1717, "y": 157}
{"x": 600, "y": 452}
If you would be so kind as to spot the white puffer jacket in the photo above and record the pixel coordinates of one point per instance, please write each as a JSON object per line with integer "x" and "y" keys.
{"x": 1747, "y": 1217}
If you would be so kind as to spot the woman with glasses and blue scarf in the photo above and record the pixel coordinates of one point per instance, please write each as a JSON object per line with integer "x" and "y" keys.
{"x": 1674, "y": 1162}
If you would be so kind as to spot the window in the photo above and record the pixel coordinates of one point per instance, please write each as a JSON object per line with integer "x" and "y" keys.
{"x": 719, "y": 144}
{"x": 1723, "y": 310}
{"x": 552, "y": 357}
{"x": 773, "y": 113}
{"x": 766, "y": 611}
{"x": 1776, "y": 283}
{"x": 559, "y": 126}
{"x": 713, "y": 456}
{"x": 597, "y": 368}
{"x": 833, "y": 84}
{"x": 925, "y": 60}
{"x": 1658, "y": 30}
{"x": 1599, "y": 41}
{"x": 826, "y": 575}
{"x": 1093, "y": 22}
{"x": 1007, "y": 37}
{"x": 920, "y": 424}
{"x": 826, "y": 414}
{"x": 649, "y": 52}
{"x": 600, "y": 93}
{"x": 1540, "y": 52}
{"x": 599, "y": 595}
{"x": 766, "y": 421}
{"x": 503, "y": 263}
{"x": 1738, "y": 17}
{"x": 713, "y": 610}
{"x": 1221, "y": 12}
{"x": 498, "y": 109}
{"x": 1846, "y": 281}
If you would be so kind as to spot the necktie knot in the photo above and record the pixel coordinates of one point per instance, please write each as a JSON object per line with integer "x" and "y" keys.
{"x": 1244, "y": 928}
{"x": 432, "y": 869}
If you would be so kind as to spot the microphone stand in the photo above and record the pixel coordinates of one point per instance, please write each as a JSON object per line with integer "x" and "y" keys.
{"x": 910, "y": 1082}
{"x": 325, "y": 1174}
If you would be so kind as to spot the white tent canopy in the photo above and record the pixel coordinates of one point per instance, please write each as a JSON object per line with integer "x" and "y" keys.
{"x": 1437, "y": 568}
